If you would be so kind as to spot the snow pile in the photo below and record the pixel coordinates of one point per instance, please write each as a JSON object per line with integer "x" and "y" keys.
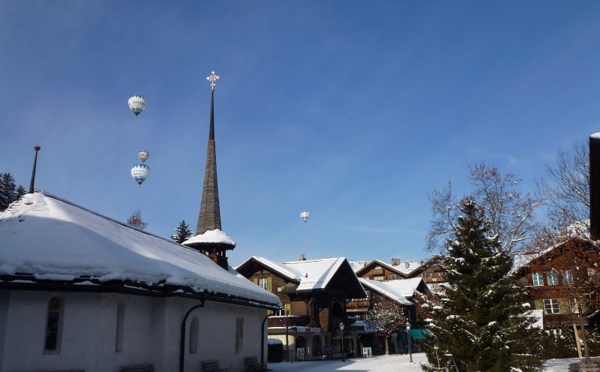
{"x": 211, "y": 236}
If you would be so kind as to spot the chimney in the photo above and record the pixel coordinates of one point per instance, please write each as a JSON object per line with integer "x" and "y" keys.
{"x": 595, "y": 186}
{"x": 395, "y": 261}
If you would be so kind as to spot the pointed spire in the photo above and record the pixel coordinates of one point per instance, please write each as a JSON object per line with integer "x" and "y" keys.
{"x": 210, "y": 211}
{"x": 209, "y": 238}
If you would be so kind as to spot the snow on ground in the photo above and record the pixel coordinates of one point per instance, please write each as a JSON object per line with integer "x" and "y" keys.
{"x": 387, "y": 363}
{"x": 380, "y": 363}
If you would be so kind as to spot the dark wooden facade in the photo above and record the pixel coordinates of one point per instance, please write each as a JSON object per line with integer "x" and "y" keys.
{"x": 324, "y": 307}
{"x": 561, "y": 278}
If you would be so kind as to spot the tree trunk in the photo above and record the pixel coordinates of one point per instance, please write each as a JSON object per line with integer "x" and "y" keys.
{"x": 387, "y": 345}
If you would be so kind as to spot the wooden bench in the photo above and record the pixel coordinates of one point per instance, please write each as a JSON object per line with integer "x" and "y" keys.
{"x": 138, "y": 368}
{"x": 251, "y": 364}
{"x": 212, "y": 366}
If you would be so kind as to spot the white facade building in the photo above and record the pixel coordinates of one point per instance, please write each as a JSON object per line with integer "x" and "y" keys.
{"x": 82, "y": 292}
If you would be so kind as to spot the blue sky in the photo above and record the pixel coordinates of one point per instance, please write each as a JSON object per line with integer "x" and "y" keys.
{"x": 351, "y": 110}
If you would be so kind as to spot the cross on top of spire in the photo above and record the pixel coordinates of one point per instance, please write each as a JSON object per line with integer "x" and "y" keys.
{"x": 212, "y": 78}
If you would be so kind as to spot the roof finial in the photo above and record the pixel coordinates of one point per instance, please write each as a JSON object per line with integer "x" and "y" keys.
{"x": 212, "y": 78}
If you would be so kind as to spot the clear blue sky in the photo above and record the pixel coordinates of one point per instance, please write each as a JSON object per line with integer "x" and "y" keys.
{"x": 351, "y": 110}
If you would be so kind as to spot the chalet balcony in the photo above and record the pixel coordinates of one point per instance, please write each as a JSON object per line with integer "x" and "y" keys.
{"x": 358, "y": 306}
{"x": 289, "y": 321}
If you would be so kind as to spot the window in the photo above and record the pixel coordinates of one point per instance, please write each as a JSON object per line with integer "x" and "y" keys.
{"x": 194, "y": 328}
{"x": 552, "y": 277}
{"x": 551, "y": 306}
{"x": 392, "y": 276}
{"x": 378, "y": 277}
{"x": 538, "y": 279}
{"x": 119, "y": 330}
{"x": 265, "y": 283}
{"x": 53, "y": 326}
{"x": 239, "y": 334}
{"x": 567, "y": 277}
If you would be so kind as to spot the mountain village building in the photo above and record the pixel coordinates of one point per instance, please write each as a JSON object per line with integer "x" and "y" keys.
{"x": 314, "y": 294}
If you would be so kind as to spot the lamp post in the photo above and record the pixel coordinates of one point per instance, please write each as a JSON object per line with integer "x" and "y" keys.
{"x": 342, "y": 330}
{"x": 409, "y": 340}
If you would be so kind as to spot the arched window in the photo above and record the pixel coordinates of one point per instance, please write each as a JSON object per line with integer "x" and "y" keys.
{"x": 300, "y": 342}
{"x": 337, "y": 310}
{"x": 120, "y": 324}
{"x": 316, "y": 346}
{"x": 194, "y": 328}
{"x": 53, "y": 326}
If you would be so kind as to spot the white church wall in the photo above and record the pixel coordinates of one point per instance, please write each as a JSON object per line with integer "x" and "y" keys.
{"x": 87, "y": 333}
{"x": 227, "y": 333}
{"x": 149, "y": 332}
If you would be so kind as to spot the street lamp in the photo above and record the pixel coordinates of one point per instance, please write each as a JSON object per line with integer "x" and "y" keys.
{"x": 342, "y": 330}
{"x": 408, "y": 339}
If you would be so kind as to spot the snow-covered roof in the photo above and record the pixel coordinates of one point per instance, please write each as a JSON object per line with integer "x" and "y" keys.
{"x": 406, "y": 287}
{"x": 408, "y": 267}
{"x": 387, "y": 290}
{"x": 310, "y": 274}
{"x": 404, "y": 268}
{"x": 211, "y": 236}
{"x": 52, "y": 240}
{"x": 357, "y": 265}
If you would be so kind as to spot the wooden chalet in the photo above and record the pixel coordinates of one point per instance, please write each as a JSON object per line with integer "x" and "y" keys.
{"x": 561, "y": 278}
{"x": 431, "y": 270}
{"x": 314, "y": 294}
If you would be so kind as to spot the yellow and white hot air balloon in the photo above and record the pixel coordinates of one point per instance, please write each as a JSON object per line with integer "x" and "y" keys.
{"x": 143, "y": 155}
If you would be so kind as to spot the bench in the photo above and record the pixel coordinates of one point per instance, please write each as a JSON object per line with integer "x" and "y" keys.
{"x": 212, "y": 366}
{"x": 138, "y": 368}
{"x": 251, "y": 364}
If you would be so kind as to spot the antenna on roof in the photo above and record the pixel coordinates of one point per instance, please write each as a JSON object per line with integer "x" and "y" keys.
{"x": 36, "y": 148}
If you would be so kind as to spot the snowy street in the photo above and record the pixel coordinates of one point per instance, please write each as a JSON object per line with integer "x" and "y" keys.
{"x": 379, "y": 363}
{"x": 388, "y": 363}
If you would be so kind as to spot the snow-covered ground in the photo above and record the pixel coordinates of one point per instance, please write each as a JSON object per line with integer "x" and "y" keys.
{"x": 389, "y": 363}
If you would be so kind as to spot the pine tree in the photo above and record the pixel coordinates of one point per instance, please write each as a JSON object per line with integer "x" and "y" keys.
{"x": 136, "y": 220}
{"x": 482, "y": 316}
{"x": 183, "y": 232}
{"x": 9, "y": 192}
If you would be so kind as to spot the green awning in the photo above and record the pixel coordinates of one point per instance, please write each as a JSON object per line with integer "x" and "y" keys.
{"x": 419, "y": 333}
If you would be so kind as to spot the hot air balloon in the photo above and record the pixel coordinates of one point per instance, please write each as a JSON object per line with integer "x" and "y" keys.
{"x": 143, "y": 155}
{"x": 305, "y": 216}
{"x": 137, "y": 104}
{"x": 140, "y": 172}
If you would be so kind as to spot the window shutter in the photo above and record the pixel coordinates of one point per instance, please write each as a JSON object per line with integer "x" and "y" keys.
{"x": 270, "y": 284}
{"x": 563, "y": 305}
{"x": 539, "y": 304}
{"x": 255, "y": 280}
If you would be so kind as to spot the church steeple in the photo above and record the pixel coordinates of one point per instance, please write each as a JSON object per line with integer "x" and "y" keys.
{"x": 209, "y": 238}
{"x": 209, "y": 217}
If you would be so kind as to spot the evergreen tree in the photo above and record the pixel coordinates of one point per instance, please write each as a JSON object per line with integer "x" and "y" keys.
{"x": 482, "y": 316}
{"x": 136, "y": 220}
{"x": 183, "y": 232}
{"x": 9, "y": 192}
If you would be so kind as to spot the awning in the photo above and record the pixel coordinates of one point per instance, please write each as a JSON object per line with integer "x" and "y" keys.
{"x": 419, "y": 333}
